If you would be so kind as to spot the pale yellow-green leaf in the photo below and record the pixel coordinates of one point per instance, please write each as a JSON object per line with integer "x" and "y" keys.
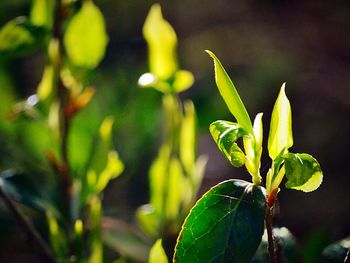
{"x": 86, "y": 38}
{"x": 106, "y": 128}
{"x": 158, "y": 172}
{"x": 187, "y": 137}
{"x": 258, "y": 134}
{"x": 113, "y": 169}
{"x": 157, "y": 253}
{"x": 311, "y": 185}
{"x": 175, "y": 189}
{"x": 42, "y": 13}
{"x": 162, "y": 41}
{"x": 280, "y": 136}
{"x": 230, "y": 95}
{"x": 46, "y": 84}
{"x": 148, "y": 220}
{"x": 57, "y": 239}
{"x": 183, "y": 80}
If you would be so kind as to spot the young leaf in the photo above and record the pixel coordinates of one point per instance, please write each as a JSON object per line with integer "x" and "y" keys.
{"x": 148, "y": 220}
{"x": 46, "y": 85}
{"x": 161, "y": 39}
{"x": 42, "y": 13}
{"x": 230, "y": 95}
{"x": 225, "y": 134}
{"x": 226, "y": 225}
{"x": 85, "y": 39}
{"x": 157, "y": 254}
{"x": 303, "y": 172}
{"x": 183, "y": 79}
{"x": 280, "y": 136}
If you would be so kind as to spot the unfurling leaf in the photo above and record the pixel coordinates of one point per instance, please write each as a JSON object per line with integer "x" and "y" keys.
{"x": 161, "y": 39}
{"x": 225, "y": 134}
{"x": 280, "y": 136}
{"x": 303, "y": 172}
{"x": 157, "y": 253}
{"x": 232, "y": 211}
{"x": 230, "y": 95}
{"x": 85, "y": 39}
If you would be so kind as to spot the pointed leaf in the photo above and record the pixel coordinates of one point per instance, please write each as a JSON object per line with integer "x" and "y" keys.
{"x": 225, "y": 134}
{"x": 161, "y": 39}
{"x": 303, "y": 172}
{"x": 157, "y": 253}
{"x": 281, "y": 135}
{"x": 226, "y": 225}
{"x": 230, "y": 95}
{"x": 85, "y": 39}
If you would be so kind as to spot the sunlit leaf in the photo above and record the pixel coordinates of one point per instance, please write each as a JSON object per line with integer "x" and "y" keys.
{"x": 157, "y": 254}
{"x": 303, "y": 172}
{"x": 157, "y": 173}
{"x": 226, "y": 225}
{"x": 230, "y": 95}
{"x": 280, "y": 136}
{"x": 187, "y": 137}
{"x": 161, "y": 39}
{"x": 42, "y": 13}
{"x": 148, "y": 220}
{"x": 86, "y": 38}
{"x": 46, "y": 85}
{"x": 258, "y": 133}
{"x": 183, "y": 80}
{"x": 19, "y": 36}
{"x": 58, "y": 240}
{"x": 175, "y": 188}
{"x": 225, "y": 134}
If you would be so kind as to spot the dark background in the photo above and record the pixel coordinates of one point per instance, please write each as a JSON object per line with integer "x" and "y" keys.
{"x": 261, "y": 44}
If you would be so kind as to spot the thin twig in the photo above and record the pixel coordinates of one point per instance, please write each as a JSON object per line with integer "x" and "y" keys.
{"x": 28, "y": 228}
{"x": 271, "y": 242}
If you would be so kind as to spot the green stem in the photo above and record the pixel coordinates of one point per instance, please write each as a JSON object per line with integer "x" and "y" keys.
{"x": 28, "y": 228}
{"x": 271, "y": 242}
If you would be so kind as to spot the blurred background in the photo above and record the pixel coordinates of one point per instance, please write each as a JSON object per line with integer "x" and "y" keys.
{"x": 261, "y": 44}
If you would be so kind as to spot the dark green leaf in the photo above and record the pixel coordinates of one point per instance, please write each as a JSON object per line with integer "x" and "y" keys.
{"x": 225, "y": 134}
{"x": 226, "y": 225}
{"x": 337, "y": 252}
{"x": 303, "y": 172}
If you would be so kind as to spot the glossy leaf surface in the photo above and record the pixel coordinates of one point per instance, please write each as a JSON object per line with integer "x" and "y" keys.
{"x": 280, "y": 136}
{"x": 85, "y": 39}
{"x": 230, "y": 95}
{"x": 225, "y": 134}
{"x": 303, "y": 172}
{"x": 161, "y": 39}
{"x": 226, "y": 225}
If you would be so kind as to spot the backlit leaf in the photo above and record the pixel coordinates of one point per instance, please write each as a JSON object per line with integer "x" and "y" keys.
{"x": 183, "y": 79}
{"x": 148, "y": 220}
{"x": 157, "y": 254}
{"x": 42, "y": 13}
{"x": 85, "y": 39}
{"x": 161, "y": 39}
{"x": 226, "y": 225}
{"x": 303, "y": 172}
{"x": 280, "y": 136}
{"x": 46, "y": 84}
{"x": 225, "y": 134}
{"x": 230, "y": 95}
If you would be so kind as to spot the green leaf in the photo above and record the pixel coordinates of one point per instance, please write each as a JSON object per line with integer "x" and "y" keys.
{"x": 42, "y": 13}
{"x": 188, "y": 137}
{"x": 230, "y": 95}
{"x": 183, "y": 80}
{"x": 162, "y": 41}
{"x": 19, "y": 36}
{"x": 337, "y": 252}
{"x": 46, "y": 85}
{"x": 226, "y": 225}
{"x": 85, "y": 39}
{"x": 148, "y": 220}
{"x": 281, "y": 135}
{"x": 225, "y": 134}
{"x": 123, "y": 238}
{"x": 303, "y": 172}
{"x": 58, "y": 240}
{"x": 157, "y": 254}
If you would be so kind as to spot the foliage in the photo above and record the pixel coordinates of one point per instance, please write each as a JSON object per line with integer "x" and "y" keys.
{"x": 201, "y": 232}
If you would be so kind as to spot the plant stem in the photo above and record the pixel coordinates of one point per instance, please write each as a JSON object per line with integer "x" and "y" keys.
{"x": 271, "y": 242}
{"x": 28, "y": 228}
